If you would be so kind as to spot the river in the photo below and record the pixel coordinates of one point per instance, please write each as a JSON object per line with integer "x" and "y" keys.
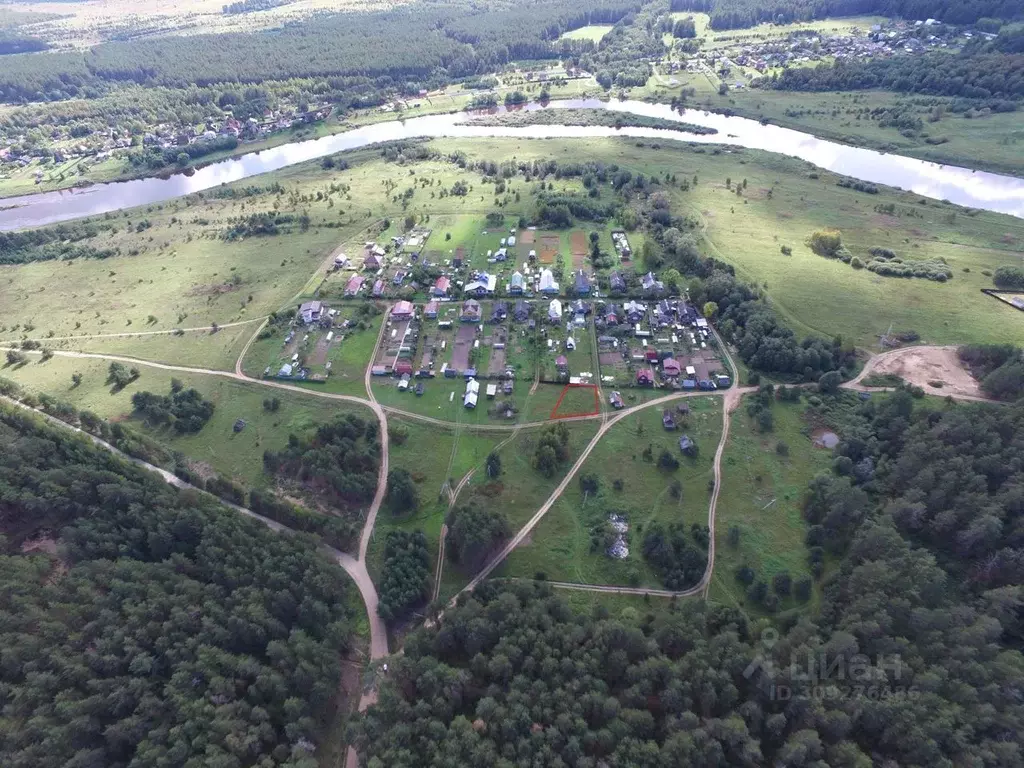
{"x": 975, "y": 189}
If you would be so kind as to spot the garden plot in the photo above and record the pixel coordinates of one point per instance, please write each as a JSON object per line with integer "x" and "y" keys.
{"x": 579, "y": 247}
{"x": 566, "y": 353}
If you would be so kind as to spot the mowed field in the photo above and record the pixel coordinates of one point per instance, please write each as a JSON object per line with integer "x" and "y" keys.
{"x": 560, "y": 546}
{"x": 593, "y": 32}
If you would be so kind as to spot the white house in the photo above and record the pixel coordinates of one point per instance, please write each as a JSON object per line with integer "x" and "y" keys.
{"x": 555, "y": 311}
{"x": 547, "y": 282}
{"x": 472, "y": 393}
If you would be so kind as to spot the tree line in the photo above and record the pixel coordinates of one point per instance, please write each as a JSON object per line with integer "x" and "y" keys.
{"x": 983, "y": 75}
{"x": 735, "y": 14}
{"x": 169, "y": 629}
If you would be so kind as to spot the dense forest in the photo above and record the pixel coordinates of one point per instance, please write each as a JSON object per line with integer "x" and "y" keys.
{"x": 425, "y": 46}
{"x": 914, "y": 658}
{"x": 149, "y": 626}
{"x": 970, "y": 75}
{"x": 733, "y": 14}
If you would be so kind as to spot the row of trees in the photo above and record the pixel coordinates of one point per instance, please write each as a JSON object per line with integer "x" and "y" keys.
{"x": 169, "y": 629}
{"x": 999, "y": 368}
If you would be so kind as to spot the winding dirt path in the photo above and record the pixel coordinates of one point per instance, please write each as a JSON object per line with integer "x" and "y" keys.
{"x": 134, "y": 334}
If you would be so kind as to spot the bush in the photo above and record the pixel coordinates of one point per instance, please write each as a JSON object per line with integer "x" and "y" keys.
{"x": 1009, "y": 277}
{"x": 826, "y": 242}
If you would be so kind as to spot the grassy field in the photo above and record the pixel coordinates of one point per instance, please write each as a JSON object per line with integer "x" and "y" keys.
{"x": 593, "y": 32}
{"x": 560, "y": 546}
{"x": 196, "y": 349}
{"x": 762, "y": 492}
{"x": 236, "y": 454}
{"x": 520, "y": 490}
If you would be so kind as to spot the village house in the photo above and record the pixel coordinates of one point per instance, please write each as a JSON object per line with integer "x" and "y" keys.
{"x": 670, "y": 368}
{"x": 469, "y": 400}
{"x": 615, "y": 400}
{"x": 402, "y": 311}
{"x": 516, "y": 284}
{"x": 555, "y": 311}
{"x": 499, "y": 312}
{"x": 645, "y": 377}
{"x": 372, "y": 262}
{"x": 354, "y": 285}
{"x": 441, "y": 286}
{"x": 522, "y": 310}
{"x": 635, "y": 311}
{"x": 430, "y": 310}
{"x": 582, "y": 283}
{"x": 311, "y": 311}
{"x": 470, "y": 311}
{"x": 562, "y": 365}
{"x": 548, "y": 284}
{"x": 482, "y": 284}
{"x": 687, "y": 446}
{"x": 607, "y": 315}
{"x": 667, "y": 421}
{"x": 378, "y": 289}
{"x": 617, "y": 283}
{"x": 651, "y": 285}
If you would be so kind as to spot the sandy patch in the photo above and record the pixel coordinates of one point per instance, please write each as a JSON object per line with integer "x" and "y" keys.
{"x": 920, "y": 365}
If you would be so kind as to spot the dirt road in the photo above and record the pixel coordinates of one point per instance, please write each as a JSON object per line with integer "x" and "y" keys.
{"x": 922, "y": 365}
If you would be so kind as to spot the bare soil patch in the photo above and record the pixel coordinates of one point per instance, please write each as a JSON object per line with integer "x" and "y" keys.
{"x": 578, "y": 243}
{"x": 920, "y": 365}
{"x": 527, "y": 236}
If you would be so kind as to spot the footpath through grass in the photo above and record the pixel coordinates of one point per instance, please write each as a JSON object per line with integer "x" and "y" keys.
{"x": 562, "y": 546}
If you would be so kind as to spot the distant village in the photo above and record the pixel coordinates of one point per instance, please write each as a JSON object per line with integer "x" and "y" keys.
{"x": 102, "y": 145}
{"x": 803, "y": 47}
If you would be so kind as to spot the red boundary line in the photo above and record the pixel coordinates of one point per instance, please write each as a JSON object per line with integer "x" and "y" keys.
{"x": 565, "y": 389}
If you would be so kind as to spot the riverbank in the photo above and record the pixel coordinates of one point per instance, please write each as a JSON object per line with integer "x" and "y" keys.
{"x": 989, "y": 142}
{"x": 589, "y": 117}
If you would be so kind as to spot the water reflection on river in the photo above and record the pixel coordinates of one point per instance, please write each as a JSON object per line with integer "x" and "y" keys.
{"x": 976, "y": 189}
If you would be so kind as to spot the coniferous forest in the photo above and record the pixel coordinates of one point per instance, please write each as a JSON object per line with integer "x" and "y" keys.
{"x": 149, "y": 626}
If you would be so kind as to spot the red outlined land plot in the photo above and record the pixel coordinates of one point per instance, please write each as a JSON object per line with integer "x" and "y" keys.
{"x": 576, "y": 402}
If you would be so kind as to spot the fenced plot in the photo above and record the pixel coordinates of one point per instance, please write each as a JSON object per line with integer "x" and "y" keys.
{"x": 465, "y": 335}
